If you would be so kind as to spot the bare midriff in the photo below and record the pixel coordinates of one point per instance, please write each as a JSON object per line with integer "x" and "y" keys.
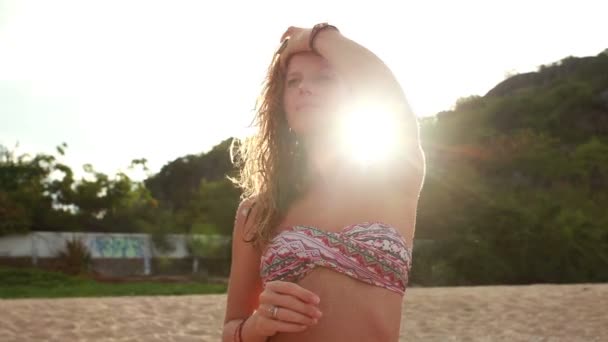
{"x": 352, "y": 310}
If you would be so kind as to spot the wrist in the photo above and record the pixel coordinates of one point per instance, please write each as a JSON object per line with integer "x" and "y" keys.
{"x": 249, "y": 332}
{"x": 322, "y": 29}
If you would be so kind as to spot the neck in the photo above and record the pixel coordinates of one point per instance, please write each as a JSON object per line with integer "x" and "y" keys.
{"x": 325, "y": 162}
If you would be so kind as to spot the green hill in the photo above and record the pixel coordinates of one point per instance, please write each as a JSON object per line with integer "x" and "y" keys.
{"x": 517, "y": 183}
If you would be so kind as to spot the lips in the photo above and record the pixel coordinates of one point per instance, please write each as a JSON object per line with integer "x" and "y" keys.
{"x": 303, "y": 106}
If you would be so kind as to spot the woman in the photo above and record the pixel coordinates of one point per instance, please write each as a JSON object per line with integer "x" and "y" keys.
{"x": 322, "y": 243}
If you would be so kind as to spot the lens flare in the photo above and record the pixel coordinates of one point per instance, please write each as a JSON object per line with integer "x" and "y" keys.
{"x": 369, "y": 135}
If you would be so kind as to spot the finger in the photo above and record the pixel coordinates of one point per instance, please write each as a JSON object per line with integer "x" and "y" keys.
{"x": 286, "y": 34}
{"x": 290, "y": 32}
{"x": 289, "y": 288}
{"x": 286, "y": 314}
{"x": 290, "y": 327}
{"x": 269, "y": 298}
{"x": 283, "y": 46}
{"x": 296, "y": 305}
{"x": 280, "y": 326}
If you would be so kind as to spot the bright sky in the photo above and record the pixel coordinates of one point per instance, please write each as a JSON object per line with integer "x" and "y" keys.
{"x": 118, "y": 80}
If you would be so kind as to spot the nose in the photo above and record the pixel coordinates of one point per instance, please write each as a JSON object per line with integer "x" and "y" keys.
{"x": 304, "y": 88}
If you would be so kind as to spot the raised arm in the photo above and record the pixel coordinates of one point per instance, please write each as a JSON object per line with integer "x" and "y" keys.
{"x": 374, "y": 88}
{"x": 371, "y": 81}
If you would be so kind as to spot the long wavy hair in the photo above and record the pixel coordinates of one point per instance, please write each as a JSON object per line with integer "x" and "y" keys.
{"x": 271, "y": 162}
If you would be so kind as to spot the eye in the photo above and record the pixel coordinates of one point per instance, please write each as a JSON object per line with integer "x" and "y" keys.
{"x": 292, "y": 82}
{"x": 325, "y": 77}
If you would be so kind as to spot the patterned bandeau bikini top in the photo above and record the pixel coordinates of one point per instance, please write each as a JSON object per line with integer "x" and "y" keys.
{"x": 372, "y": 252}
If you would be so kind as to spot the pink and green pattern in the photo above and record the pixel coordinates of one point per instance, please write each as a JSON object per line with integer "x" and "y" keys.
{"x": 372, "y": 252}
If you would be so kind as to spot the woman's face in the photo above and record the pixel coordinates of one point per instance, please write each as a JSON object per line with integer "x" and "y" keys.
{"x": 313, "y": 94}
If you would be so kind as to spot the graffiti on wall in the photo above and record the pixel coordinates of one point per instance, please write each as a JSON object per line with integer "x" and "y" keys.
{"x": 118, "y": 247}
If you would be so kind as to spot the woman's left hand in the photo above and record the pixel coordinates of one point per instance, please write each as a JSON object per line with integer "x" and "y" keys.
{"x": 297, "y": 41}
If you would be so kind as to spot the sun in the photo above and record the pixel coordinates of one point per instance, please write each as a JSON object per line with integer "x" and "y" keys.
{"x": 369, "y": 135}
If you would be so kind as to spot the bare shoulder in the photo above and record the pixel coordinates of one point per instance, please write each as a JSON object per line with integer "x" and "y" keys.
{"x": 245, "y": 216}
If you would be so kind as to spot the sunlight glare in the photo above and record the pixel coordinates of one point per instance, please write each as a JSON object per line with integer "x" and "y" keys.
{"x": 369, "y": 135}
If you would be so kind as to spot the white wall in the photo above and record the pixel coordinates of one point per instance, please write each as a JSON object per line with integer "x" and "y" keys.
{"x": 101, "y": 245}
{"x": 15, "y": 246}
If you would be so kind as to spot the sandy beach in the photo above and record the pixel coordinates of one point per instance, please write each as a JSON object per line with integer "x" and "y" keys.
{"x": 483, "y": 313}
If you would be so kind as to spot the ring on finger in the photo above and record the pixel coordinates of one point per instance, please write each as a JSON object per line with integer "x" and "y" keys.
{"x": 273, "y": 310}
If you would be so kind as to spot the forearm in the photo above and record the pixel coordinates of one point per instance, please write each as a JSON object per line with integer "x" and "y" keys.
{"x": 248, "y": 333}
{"x": 367, "y": 74}
{"x": 374, "y": 86}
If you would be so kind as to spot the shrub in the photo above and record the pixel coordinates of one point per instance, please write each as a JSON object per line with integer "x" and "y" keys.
{"x": 75, "y": 258}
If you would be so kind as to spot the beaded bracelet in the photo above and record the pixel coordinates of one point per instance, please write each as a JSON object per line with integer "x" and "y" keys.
{"x": 315, "y": 30}
{"x": 235, "y": 338}
{"x": 239, "y": 330}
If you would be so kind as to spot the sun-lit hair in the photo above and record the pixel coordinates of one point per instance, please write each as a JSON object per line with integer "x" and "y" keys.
{"x": 273, "y": 170}
{"x": 272, "y": 166}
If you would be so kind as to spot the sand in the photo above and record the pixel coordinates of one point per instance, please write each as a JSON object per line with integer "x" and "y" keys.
{"x": 483, "y": 313}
